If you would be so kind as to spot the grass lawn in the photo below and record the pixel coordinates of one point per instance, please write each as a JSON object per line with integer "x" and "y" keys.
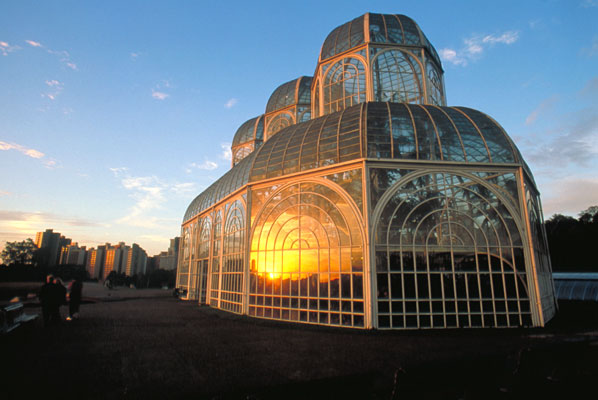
{"x": 159, "y": 347}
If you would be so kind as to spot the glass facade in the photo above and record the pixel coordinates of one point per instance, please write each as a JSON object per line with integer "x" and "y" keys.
{"x": 373, "y": 206}
{"x": 449, "y": 253}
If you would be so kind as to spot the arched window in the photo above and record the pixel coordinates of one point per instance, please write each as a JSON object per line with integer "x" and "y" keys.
{"x": 307, "y": 258}
{"x": 199, "y": 264}
{"x": 216, "y": 246}
{"x": 183, "y": 268}
{"x": 397, "y": 78}
{"x": 344, "y": 85}
{"x": 279, "y": 122}
{"x": 241, "y": 152}
{"x": 316, "y": 102}
{"x": 233, "y": 258}
{"x": 448, "y": 253}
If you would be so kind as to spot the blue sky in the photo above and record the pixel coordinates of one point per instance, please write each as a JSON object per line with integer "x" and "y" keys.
{"x": 114, "y": 115}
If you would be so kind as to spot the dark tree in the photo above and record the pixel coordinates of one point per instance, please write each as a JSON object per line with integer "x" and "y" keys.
{"x": 571, "y": 241}
{"x": 161, "y": 277}
{"x": 19, "y": 253}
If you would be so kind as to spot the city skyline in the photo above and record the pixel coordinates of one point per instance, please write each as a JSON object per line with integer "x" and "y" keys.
{"x": 116, "y": 116}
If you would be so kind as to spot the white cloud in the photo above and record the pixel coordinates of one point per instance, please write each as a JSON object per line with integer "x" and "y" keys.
{"x": 206, "y": 165}
{"x": 150, "y": 194}
{"x": 183, "y": 188}
{"x": 451, "y": 56}
{"x": 474, "y": 46}
{"x": 546, "y": 105}
{"x": 5, "y": 48}
{"x": 118, "y": 171}
{"x": 33, "y": 43}
{"x": 57, "y": 86}
{"x": 508, "y": 37}
{"x": 158, "y": 92}
{"x": 227, "y": 153}
{"x": 159, "y": 95}
{"x": 231, "y": 103}
{"x": 28, "y": 223}
{"x": 22, "y": 149}
{"x": 51, "y": 163}
{"x": 63, "y": 55}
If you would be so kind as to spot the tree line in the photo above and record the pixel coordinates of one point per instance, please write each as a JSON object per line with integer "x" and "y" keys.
{"x": 571, "y": 241}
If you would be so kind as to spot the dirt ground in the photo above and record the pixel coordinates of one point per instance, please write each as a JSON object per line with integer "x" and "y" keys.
{"x": 150, "y": 345}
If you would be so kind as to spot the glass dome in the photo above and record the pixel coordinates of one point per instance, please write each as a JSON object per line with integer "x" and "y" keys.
{"x": 249, "y": 131}
{"x": 248, "y": 137}
{"x": 377, "y": 57}
{"x": 376, "y": 28}
{"x": 296, "y": 91}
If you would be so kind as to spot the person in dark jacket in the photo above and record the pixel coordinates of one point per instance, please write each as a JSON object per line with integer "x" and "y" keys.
{"x": 75, "y": 292}
{"x": 46, "y": 299}
{"x": 59, "y": 298}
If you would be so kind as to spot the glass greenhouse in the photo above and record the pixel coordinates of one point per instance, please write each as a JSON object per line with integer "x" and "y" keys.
{"x": 359, "y": 199}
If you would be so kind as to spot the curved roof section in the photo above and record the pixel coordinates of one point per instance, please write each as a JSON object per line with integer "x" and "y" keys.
{"x": 380, "y": 28}
{"x": 386, "y": 131}
{"x": 296, "y": 91}
{"x": 373, "y": 130}
{"x": 228, "y": 183}
{"x": 250, "y": 130}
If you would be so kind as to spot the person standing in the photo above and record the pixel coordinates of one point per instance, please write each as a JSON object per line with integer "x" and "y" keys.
{"x": 59, "y": 300}
{"x": 75, "y": 293}
{"x": 46, "y": 299}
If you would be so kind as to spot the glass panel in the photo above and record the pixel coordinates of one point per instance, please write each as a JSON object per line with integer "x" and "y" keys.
{"x": 344, "y": 85}
{"x": 303, "y": 246}
{"x": 397, "y": 77}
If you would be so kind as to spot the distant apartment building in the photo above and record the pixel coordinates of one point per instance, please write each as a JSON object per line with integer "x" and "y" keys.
{"x": 95, "y": 262}
{"x": 50, "y": 244}
{"x": 99, "y": 262}
{"x": 116, "y": 258}
{"x": 168, "y": 259}
{"x": 72, "y": 254}
{"x": 136, "y": 261}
